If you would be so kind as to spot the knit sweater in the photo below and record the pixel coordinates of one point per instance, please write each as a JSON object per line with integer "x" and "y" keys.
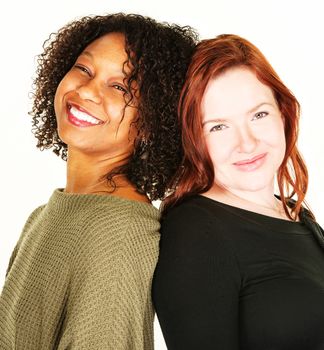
{"x": 232, "y": 279}
{"x": 80, "y": 276}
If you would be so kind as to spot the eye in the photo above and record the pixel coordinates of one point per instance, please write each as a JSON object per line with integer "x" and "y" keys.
{"x": 218, "y": 127}
{"x": 259, "y": 115}
{"x": 83, "y": 69}
{"x": 120, "y": 88}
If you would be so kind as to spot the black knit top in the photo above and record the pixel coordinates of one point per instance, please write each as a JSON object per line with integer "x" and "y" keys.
{"x": 231, "y": 279}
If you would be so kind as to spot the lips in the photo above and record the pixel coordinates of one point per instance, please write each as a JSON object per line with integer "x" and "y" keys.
{"x": 251, "y": 164}
{"x": 81, "y": 118}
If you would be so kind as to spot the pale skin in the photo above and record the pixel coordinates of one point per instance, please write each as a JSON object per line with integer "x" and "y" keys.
{"x": 93, "y": 121}
{"x": 244, "y": 133}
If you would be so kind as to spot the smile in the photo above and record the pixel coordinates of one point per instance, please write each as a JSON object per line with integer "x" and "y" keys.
{"x": 251, "y": 164}
{"x": 79, "y": 117}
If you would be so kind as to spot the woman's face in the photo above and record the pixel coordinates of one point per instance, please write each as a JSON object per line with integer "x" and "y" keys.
{"x": 244, "y": 131}
{"x": 90, "y": 102}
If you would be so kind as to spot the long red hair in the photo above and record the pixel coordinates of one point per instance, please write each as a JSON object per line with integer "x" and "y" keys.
{"x": 196, "y": 174}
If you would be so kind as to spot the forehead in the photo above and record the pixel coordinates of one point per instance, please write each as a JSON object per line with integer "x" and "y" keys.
{"x": 110, "y": 46}
{"x": 236, "y": 91}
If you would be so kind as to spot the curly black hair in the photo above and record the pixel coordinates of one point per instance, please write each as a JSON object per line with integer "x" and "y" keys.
{"x": 159, "y": 54}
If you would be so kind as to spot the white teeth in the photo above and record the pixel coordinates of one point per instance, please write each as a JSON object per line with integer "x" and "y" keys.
{"x": 83, "y": 116}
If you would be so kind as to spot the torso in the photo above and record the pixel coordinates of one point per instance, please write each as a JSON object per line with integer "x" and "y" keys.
{"x": 265, "y": 275}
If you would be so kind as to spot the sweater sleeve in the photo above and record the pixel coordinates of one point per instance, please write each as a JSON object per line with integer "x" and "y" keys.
{"x": 196, "y": 282}
{"x": 28, "y": 223}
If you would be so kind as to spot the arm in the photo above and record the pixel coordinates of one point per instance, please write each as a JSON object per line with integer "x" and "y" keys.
{"x": 196, "y": 283}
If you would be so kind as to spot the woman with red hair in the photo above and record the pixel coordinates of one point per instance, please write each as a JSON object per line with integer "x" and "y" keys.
{"x": 240, "y": 267}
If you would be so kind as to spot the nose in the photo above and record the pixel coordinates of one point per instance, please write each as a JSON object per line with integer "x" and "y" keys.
{"x": 90, "y": 91}
{"x": 247, "y": 140}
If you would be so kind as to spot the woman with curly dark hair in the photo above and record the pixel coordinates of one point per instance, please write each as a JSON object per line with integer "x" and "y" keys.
{"x": 105, "y": 100}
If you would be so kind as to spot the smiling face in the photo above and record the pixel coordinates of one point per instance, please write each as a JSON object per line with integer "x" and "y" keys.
{"x": 90, "y": 101}
{"x": 244, "y": 131}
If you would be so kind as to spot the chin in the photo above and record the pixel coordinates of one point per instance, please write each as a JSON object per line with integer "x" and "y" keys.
{"x": 253, "y": 186}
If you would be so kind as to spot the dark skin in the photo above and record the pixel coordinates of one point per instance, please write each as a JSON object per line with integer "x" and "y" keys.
{"x": 86, "y": 175}
{"x": 93, "y": 121}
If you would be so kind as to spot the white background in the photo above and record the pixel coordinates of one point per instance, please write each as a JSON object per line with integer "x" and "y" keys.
{"x": 289, "y": 32}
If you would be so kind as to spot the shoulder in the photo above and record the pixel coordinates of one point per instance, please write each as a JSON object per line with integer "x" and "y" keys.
{"x": 193, "y": 238}
{"x": 193, "y": 226}
{"x": 35, "y": 215}
{"x": 29, "y": 224}
{"x": 112, "y": 224}
{"x": 197, "y": 205}
{"x": 119, "y": 214}
{"x": 193, "y": 212}
{"x": 117, "y": 235}
{"x": 313, "y": 225}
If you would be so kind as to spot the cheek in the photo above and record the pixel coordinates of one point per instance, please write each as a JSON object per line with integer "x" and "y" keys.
{"x": 121, "y": 126}
{"x": 114, "y": 107}
{"x": 68, "y": 83}
{"x": 220, "y": 149}
{"x": 114, "y": 112}
{"x": 275, "y": 136}
{"x": 58, "y": 98}
{"x": 282, "y": 149}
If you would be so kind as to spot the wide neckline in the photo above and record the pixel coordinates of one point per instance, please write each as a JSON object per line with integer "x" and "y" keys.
{"x": 61, "y": 196}
{"x": 274, "y": 223}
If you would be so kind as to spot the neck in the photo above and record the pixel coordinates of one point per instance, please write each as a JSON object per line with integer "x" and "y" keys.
{"x": 87, "y": 174}
{"x": 264, "y": 198}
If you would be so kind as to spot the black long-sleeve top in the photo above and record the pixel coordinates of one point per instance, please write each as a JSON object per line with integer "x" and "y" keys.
{"x": 231, "y": 279}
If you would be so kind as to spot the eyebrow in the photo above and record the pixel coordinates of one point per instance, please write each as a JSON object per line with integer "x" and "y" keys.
{"x": 87, "y": 53}
{"x": 259, "y": 105}
{"x": 213, "y": 120}
{"x": 222, "y": 120}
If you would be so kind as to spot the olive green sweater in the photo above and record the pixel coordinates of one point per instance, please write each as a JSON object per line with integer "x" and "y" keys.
{"x": 80, "y": 276}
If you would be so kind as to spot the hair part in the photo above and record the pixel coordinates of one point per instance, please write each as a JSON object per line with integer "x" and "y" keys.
{"x": 213, "y": 57}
